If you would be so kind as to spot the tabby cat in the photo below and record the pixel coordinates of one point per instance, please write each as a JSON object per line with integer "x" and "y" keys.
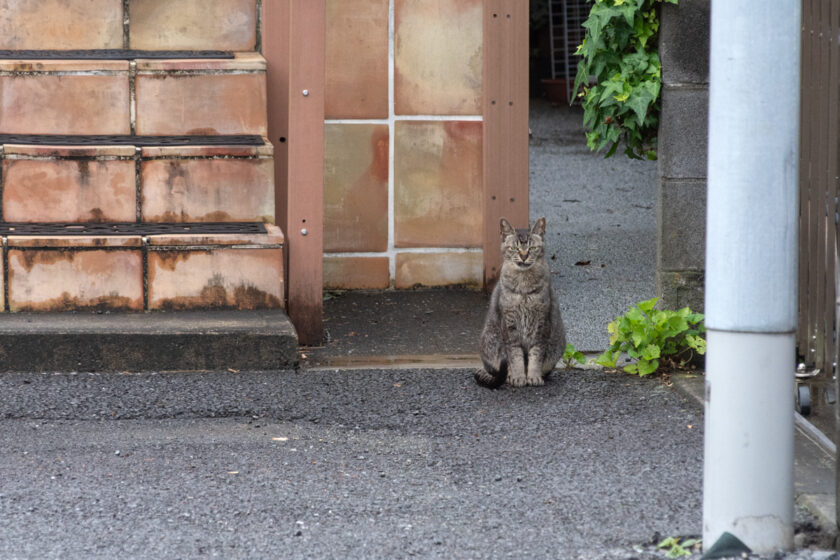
{"x": 523, "y": 336}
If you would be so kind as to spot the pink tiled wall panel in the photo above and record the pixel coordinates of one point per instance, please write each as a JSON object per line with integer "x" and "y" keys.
{"x": 439, "y": 269}
{"x": 438, "y": 182}
{"x": 438, "y": 57}
{"x": 356, "y": 273}
{"x": 356, "y": 187}
{"x": 357, "y": 59}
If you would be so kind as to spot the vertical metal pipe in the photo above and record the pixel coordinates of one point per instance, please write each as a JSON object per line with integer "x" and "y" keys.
{"x": 751, "y": 272}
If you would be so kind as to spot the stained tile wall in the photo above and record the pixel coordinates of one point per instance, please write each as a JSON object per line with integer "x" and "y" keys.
{"x": 403, "y": 163}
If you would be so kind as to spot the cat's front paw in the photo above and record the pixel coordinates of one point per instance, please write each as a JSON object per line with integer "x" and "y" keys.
{"x": 536, "y": 381}
{"x": 517, "y": 381}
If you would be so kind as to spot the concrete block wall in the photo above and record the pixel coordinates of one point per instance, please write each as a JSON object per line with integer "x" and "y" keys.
{"x": 683, "y": 147}
{"x": 403, "y": 144}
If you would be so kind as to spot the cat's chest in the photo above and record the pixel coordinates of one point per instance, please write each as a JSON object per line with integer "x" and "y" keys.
{"x": 524, "y": 308}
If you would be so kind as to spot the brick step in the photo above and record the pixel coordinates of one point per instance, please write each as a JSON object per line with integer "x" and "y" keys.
{"x": 159, "y": 272}
{"x": 143, "y": 96}
{"x": 125, "y": 183}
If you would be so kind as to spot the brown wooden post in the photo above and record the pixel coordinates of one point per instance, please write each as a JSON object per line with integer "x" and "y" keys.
{"x": 297, "y": 48}
{"x": 505, "y": 192}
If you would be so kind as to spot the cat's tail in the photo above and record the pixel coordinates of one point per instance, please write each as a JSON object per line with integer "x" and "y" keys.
{"x": 490, "y": 378}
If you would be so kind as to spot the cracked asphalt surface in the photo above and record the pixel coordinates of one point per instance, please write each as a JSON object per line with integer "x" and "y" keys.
{"x": 328, "y": 464}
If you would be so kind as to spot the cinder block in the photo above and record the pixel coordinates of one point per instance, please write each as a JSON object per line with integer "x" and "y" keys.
{"x": 208, "y": 184}
{"x": 202, "y": 97}
{"x": 438, "y": 57}
{"x": 357, "y": 59}
{"x": 682, "y": 225}
{"x": 683, "y": 133}
{"x": 61, "y": 24}
{"x": 416, "y": 270}
{"x": 356, "y": 273}
{"x": 677, "y": 289}
{"x": 356, "y": 188}
{"x": 64, "y": 97}
{"x": 64, "y": 184}
{"x": 193, "y": 24}
{"x": 684, "y": 42}
{"x": 44, "y": 277}
{"x": 438, "y": 184}
{"x": 205, "y": 272}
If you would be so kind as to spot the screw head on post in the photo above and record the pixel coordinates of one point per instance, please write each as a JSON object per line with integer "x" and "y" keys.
{"x": 304, "y": 232}
{"x": 305, "y": 93}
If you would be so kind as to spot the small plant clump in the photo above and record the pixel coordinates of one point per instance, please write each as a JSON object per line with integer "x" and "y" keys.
{"x": 572, "y": 357}
{"x": 654, "y": 338}
{"x": 619, "y": 51}
{"x": 677, "y": 548}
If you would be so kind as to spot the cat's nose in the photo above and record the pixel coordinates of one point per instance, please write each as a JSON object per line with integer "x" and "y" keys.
{"x": 524, "y": 254}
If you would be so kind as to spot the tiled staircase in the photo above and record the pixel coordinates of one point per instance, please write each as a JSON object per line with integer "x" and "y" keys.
{"x": 139, "y": 182}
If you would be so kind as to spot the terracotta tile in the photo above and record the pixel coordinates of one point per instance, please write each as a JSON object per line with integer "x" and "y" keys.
{"x": 439, "y": 269}
{"x": 59, "y": 24}
{"x": 218, "y": 278}
{"x": 356, "y": 273}
{"x": 64, "y": 104}
{"x": 75, "y": 241}
{"x": 69, "y": 190}
{"x": 438, "y": 63}
{"x": 54, "y": 280}
{"x": 201, "y": 104}
{"x": 357, "y": 59}
{"x": 193, "y": 24}
{"x": 355, "y": 187}
{"x": 437, "y": 189}
{"x": 273, "y": 236}
{"x": 208, "y": 190}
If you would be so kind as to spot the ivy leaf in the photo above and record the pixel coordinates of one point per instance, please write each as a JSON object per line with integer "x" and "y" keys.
{"x": 646, "y": 367}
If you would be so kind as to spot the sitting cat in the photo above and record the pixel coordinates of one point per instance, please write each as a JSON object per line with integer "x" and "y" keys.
{"x": 523, "y": 336}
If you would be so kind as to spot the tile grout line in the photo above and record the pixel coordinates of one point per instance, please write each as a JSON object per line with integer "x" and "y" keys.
{"x": 138, "y": 183}
{"x": 144, "y": 241}
{"x": 6, "y": 304}
{"x": 126, "y": 25}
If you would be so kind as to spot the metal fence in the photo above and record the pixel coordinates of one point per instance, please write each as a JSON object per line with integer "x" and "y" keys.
{"x": 818, "y": 182}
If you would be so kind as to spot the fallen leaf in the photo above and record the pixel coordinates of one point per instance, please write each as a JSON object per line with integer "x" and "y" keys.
{"x": 233, "y": 370}
{"x": 397, "y": 384}
{"x": 582, "y": 263}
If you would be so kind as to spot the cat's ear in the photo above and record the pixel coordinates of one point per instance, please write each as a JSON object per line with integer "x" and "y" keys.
{"x": 539, "y": 228}
{"x": 505, "y": 228}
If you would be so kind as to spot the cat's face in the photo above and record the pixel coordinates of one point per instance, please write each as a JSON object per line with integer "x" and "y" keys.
{"x": 523, "y": 248}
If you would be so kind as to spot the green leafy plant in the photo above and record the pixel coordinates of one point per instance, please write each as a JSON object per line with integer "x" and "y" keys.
{"x": 572, "y": 357}
{"x": 654, "y": 338}
{"x": 620, "y": 52}
{"x": 677, "y": 548}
